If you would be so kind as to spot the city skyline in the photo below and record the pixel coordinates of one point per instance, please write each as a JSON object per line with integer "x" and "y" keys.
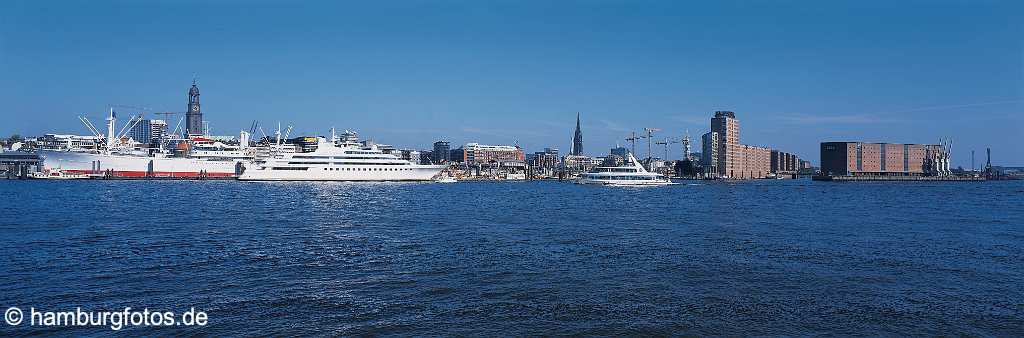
{"x": 795, "y": 75}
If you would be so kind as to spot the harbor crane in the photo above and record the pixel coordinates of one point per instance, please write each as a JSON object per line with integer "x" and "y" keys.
{"x": 277, "y": 133}
{"x": 128, "y": 126}
{"x": 255, "y": 125}
{"x": 111, "y": 138}
{"x": 88, "y": 125}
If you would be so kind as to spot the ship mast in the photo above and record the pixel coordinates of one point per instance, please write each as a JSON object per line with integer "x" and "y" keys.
{"x": 278, "y": 134}
{"x": 111, "y": 119}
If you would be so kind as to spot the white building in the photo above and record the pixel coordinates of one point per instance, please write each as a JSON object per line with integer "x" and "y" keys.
{"x": 69, "y": 142}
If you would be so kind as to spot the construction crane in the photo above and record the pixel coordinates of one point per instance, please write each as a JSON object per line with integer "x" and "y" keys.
{"x": 632, "y": 140}
{"x": 650, "y": 134}
{"x": 131, "y": 108}
{"x": 665, "y": 143}
{"x": 167, "y": 114}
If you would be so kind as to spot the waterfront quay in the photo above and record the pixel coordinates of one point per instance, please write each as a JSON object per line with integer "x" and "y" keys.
{"x": 148, "y": 149}
{"x": 897, "y": 178}
{"x": 19, "y": 165}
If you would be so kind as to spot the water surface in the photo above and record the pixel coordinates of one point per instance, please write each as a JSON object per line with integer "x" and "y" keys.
{"x": 790, "y": 257}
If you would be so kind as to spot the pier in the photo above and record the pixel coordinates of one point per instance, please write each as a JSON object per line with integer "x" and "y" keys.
{"x": 897, "y": 178}
{"x": 18, "y": 165}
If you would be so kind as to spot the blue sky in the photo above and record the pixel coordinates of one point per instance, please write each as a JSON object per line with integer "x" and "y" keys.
{"x": 500, "y": 72}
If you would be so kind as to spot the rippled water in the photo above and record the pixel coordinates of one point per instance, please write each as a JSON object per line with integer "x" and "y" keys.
{"x": 790, "y": 257}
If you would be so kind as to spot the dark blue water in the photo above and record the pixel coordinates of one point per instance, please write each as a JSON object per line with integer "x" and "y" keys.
{"x": 513, "y": 259}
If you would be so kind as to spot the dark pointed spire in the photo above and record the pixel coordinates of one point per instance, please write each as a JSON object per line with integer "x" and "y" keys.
{"x": 577, "y": 139}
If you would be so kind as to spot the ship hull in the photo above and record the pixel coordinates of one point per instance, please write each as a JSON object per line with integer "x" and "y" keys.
{"x": 138, "y": 166}
{"x": 347, "y": 173}
{"x": 625, "y": 183}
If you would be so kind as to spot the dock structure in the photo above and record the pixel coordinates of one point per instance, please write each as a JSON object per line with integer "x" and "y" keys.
{"x": 16, "y": 164}
{"x": 870, "y": 178}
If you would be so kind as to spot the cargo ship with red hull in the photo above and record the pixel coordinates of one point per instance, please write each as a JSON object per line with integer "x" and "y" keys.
{"x": 129, "y": 166}
{"x": 110, "y": 154}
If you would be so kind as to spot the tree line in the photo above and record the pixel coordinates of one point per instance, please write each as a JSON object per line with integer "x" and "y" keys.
{"x": 12, "y": 140}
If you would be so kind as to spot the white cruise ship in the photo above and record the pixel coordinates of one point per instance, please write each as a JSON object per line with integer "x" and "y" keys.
{"x": 347, "y": 162}
{"x": 629, "y": 174}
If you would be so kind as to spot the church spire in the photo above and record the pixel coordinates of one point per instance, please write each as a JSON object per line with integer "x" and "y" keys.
{"x": 577, "y": 139}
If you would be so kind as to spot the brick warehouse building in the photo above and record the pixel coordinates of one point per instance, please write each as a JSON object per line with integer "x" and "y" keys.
{"x": 880, "y": 159}
{"x": 474, "y": 153}
{"x": 730, "y": 158}
{"x": 785, "y": 163}
{"x": 756, "y": 162}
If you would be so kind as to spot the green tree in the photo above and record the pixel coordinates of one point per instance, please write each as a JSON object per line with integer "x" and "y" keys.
{"x": 685, "y": 168}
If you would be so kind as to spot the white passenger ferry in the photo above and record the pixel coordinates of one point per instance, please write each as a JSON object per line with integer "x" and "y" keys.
{"x": 347, "y": 162}
{"x": 629, "y": 174}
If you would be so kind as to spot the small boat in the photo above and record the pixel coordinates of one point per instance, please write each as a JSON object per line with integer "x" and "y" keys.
{"x": 631, "y": 173}
{"x": 57, "y": 175}
{"x": 519, "y": 176}
{"x": 445, "y": 179}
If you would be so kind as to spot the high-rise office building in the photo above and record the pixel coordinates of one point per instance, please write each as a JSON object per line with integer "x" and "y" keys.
{"x": 442, "y": 152}
{"x": 726, "y": 157}
{"x": 148, "y": 131}
{"x": 548, "y": 159}
{"x": 620, "y": 152}
{"x": 709, "y": 153}
{"x": 730, "y": 156}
